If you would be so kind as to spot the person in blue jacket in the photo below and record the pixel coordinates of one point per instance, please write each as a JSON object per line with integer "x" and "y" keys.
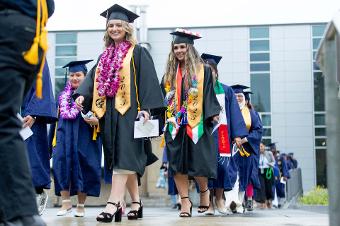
{"x": 77, "y": 148}
{"x": 231, "y": 130}
{"x": 37, "y": 113}
{"x": 247, "y": 156}
{"x": 281, "y": 179}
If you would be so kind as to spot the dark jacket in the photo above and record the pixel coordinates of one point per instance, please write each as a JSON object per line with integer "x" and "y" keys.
{"x": 27, "y": 7}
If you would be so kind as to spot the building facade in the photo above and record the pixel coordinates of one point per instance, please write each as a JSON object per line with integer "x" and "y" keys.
{"x": 276, "y": 61}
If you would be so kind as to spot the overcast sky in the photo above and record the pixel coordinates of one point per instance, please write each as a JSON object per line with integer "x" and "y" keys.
{"x": 84, "y": 14}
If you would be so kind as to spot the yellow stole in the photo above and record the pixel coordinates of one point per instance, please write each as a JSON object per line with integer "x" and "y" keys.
{"x": 246, "y": 117}
{"x": 123, "y": 97}
{"x": 195, "y": 104}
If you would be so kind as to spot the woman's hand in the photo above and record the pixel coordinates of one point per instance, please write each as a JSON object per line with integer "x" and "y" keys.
{"x": 28, "y": 121}
{"x": 244, "y": 140}
{"x": 93, "y": 121}
{"x": 238, "y": 142}
{"x": 216, "y": 119}
{"x": 79, "y": 102}
{"x": 143, "y": 114}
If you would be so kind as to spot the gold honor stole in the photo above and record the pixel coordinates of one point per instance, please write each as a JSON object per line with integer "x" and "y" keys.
{"x": 195, "y": 109}
{"x": 247, "y": 119}
{"x": 122, "y": 97}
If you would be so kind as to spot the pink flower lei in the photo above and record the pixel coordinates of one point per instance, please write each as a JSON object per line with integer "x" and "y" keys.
{"x": 109, "y": 65}
{"x": 68, "y": 108}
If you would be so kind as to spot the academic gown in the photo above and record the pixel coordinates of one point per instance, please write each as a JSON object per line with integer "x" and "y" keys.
{"x": 121, "y": 150}
{"x": 45, "y": 112}
{"x": 248, "y": 166}
{"x": 226, "y": 167}
{"x": 76, "y": 158}
{"x": 184, "y": 155}
{"x": 282, "y": 172}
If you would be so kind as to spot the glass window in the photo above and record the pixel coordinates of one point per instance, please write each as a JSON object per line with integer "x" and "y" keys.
{"x": 260, "y": 67}
{"x": 59, "y": 86}
{"x": 320, "y": 131}
{"x": 66, "y": 50}
{"x": 319, "y": 92}
{"x": 316, "y": 42}
{"x": 316, "y": 66}
{"x": 66, "y": 38}
{"x": 314, "y": 55}
{"x": 63, "y": 61}
{"x": 259, "y": 57}
{"x": 259, "y": 45}
{"x": 318, "y": 30}
{"x": 266, "y": 120}
{"x": 267, "y": 132}
{"x": 321, "y": 167}
{"x": 259, "y": 32}
{"x": 60, "y": 72}
{"x": 260, "y": 85}
{"x": 320, "y": 119}
{"x": 320, "y": 142}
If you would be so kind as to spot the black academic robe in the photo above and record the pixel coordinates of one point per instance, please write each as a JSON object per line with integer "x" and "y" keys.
{"x": 121, "y": 150}
{"x": 184, "y": 155}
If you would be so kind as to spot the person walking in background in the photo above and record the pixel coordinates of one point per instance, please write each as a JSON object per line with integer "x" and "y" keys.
{"x": 231, "y": 130}
{"x": 121, "y": 87}
{"x": 37, "y": 114}
{"x": 264, "y": 195}
{"x": 77, "y": 151}
{"x": 23, "y": 46}
{"x": 192, "y": 108}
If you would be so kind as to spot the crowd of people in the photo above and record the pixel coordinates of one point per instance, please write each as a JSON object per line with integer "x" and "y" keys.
{"x": 211, "y": 132}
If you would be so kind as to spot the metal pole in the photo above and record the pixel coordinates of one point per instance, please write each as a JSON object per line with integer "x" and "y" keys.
{"x": 333, "y": 128}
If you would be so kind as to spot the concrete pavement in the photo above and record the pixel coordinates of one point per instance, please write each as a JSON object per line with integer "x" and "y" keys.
{"x": 167, "y": 217}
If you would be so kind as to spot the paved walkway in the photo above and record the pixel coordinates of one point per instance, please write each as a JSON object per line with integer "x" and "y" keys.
{"x": 167, "y": 217}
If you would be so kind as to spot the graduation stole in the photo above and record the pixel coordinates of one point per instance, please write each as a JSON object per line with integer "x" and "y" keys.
{"x": 192, "y": 110}
{"x": 223, "y": 134}
{"x": 122, "y": 97}
{"x": 247, "y": 119}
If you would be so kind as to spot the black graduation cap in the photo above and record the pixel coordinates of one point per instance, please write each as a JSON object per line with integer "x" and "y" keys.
{"x": 272, "y": 145}
{"x": 213, "y": 59}
{"x": 239, "y": 88}
{"x": 78, "y": 65}
{"x": 117, "y": 12}
{"x": 247, "y": 95}
{"x": 185, "y": 36}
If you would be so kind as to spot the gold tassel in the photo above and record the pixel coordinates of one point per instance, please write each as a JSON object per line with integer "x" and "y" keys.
{"x": 43, "y": 40}
{"x": 162, "y": 142}
{"x": 39, "y": 86}
{"x": 94, "y": 135}
{"x": 31, "y": 56}
{"x": 54, "y": 141}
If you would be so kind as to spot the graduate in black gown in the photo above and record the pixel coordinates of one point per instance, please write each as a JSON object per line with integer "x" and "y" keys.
{"x": 37, "y": 113}
{"x": 232, "y": 128}
{"x": 121, "y": 87}
{"x": 76, "y": 148}
{"x": 192, "y": 107}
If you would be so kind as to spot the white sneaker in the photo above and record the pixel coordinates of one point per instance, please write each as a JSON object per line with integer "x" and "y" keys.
{"x": 63, "y": 212}
{"x": 42, "y": 202}
{"x": 80, "y": 214}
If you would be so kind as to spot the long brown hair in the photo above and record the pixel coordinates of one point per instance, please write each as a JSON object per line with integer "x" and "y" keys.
{"x": 192, "y": 61}
{"x": 129, "y": 36}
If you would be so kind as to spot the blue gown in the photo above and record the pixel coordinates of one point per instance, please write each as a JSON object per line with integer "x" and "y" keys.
{"x": 226, "y": 167}
{"x": 45, "y": 112}
{"x": 76, "y": 158}
{"x": 248, "y": 166}
{"x": 282, "y": 171}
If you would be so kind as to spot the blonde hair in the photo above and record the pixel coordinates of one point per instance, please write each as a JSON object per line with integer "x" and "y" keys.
{"x": 129, "y": 36}
{"x": 192, "y": 61}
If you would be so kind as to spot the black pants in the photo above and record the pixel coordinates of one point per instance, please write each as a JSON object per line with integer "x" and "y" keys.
{"x": 266, "y": 191}
{"x": 17, "y": 196}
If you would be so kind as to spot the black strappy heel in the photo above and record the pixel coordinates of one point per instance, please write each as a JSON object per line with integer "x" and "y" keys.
{"x": 186, "y": 214}
{"x": 135, "y": 214}
{"x": 108, "y": 217}
{"x": 201, "y": 208}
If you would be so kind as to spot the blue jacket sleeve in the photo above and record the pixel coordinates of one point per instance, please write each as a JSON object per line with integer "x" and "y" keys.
{"x": 255, "y": 132}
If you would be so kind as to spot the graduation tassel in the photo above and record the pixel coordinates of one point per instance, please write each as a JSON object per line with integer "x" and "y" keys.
{"x": 31, "y": 56}
{"x": 96, "y": 130}
{"x": 162, "y": 142}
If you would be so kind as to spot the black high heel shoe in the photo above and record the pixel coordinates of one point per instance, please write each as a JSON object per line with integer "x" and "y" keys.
{"x": 135, "y": 214}
{"x": 201, "y": 208}
{"x": 186, "y": 214}
{"x": 108, "y": 217}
